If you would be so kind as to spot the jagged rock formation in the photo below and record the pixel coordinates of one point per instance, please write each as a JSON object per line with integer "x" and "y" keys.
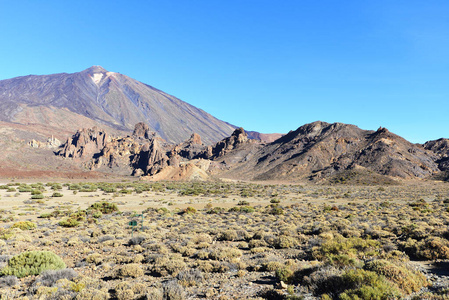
{"x": 84, "y": 143}
{"x": 115, "y": 154}
{"x": 142, "y": 154}
{"x": 190, "y": 148}
{"x": 141, "y": 130}
{"x": 238, "y": 137}
{"x": 441, "y": 148}
{"x": 151, "y": 159}
{"x": 316, "y": 151}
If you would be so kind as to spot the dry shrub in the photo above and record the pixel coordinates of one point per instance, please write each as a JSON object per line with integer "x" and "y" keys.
{"x": 212, "y": 266}
{"x": 154, "y": 294}
{"x": 284, "y": 242}
{"x": 126, "y": 258}
{"x": 272, "y": 265}
{"x": 173, "y": 291}
{"x": 259, "y": 250}
{"x": 430, "y": 248}
{"x": 257, "y": 243}
{"x": 225, "y": 253}
{"x": 167, "y": 265}
{"x": 228, "y": 235}
{"x": 94, "y": 258}
{"x": 131, "y": 270}
{"x": 202, "y": 238}
{"x": 190, "y": 277}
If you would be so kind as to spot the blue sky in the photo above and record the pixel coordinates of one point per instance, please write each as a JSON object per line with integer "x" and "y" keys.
{"x": 269, "y": 66}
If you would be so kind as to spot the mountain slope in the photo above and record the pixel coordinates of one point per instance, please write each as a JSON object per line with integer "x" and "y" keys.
{"x": 321, "y": 150}
{"x": 108, "y": 98}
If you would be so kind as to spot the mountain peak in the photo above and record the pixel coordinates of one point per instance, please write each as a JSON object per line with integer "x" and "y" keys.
{"x": 96, "y": 69}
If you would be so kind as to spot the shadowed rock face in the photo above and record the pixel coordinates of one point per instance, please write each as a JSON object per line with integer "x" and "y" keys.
{"x": 441, "y": 148}
{"x": 108, "y": 98}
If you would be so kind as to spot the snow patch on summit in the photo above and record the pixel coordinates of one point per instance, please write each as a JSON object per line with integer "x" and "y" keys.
{"x": 97, "y": 78}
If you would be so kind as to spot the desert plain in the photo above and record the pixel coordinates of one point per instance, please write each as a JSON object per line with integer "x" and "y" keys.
{"x": 226, "y": 239}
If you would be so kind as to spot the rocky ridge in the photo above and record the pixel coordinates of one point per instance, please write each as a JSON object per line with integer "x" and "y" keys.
{"x": 317, "y": 151}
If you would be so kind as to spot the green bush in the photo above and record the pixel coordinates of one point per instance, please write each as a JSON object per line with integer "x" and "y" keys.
{"x": 69, "y": 222}
{"x": 407, "y": 280}
{"x": 32, "y": 263}
{"x": 97, "y": 214}
{"x": 36, "y": 192}
{"x": 367, "y": 285}
{"x": 38, "y": 196}
{"x": 25, "y": 189}
{"x": 189, "y": 210}
{"x": 57, "y": 194}
{"x": 243, "y": 209}
{"x": 352, "y": 247}
{"x": 274, "y": 209}
{"x": 24, "y": 225}
{"x": 284, "y": 274}
{"x": 105, "y": 207}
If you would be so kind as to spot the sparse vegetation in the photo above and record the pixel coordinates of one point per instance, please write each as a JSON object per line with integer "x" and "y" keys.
{"x": 333, "y": 242}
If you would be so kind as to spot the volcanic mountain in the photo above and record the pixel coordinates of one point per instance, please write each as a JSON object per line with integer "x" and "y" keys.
{"x": 96, "y": 96}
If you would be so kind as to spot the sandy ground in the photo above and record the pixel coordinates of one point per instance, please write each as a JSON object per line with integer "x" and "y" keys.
{"x": 24, "y": 208}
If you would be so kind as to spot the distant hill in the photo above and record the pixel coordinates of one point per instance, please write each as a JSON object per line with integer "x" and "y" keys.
{"x": 109, "y": 99}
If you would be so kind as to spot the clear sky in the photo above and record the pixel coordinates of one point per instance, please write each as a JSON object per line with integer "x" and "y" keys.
{"x": 268, "y": 66}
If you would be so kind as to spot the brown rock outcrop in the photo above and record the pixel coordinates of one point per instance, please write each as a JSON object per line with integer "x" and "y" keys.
{"x": 151, "y": 159}
{"x": 441, "y": 148}
{"x": 84, "y": 143}
{"x": 190, "y": 148}
{"x": 116, "y": 153}
{"x": 141, "y": 130}
{"x": 239, "y": 137}
{"x": 51, "y": 142}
